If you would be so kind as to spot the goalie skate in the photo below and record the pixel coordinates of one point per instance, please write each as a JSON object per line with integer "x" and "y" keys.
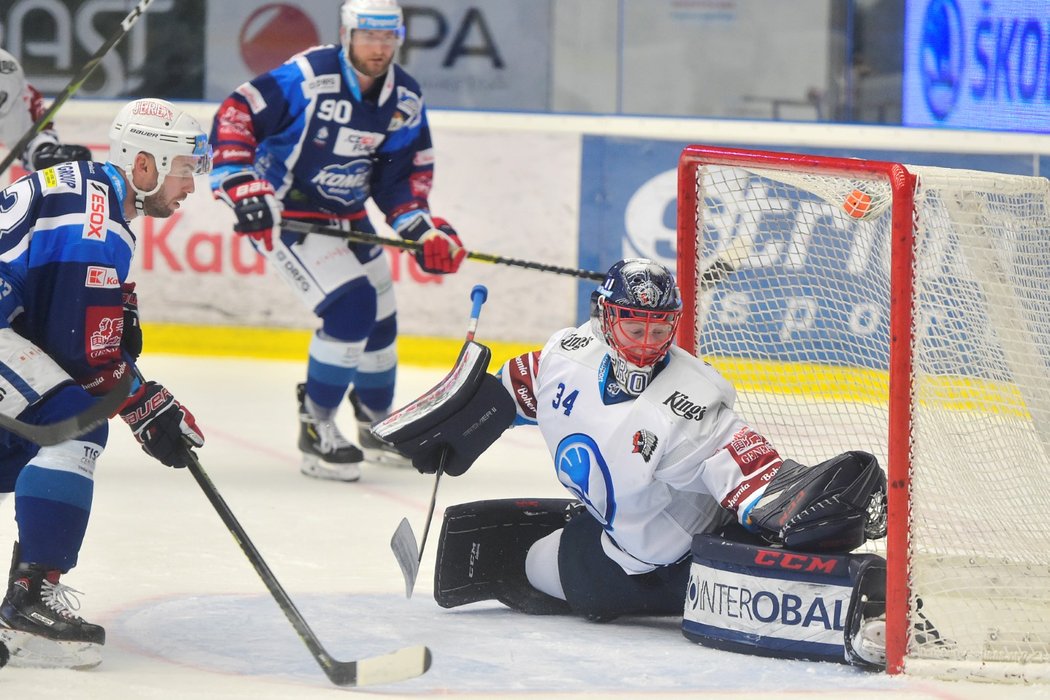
{"x": 375, "y": 450}
{"x": 326, "y": 453}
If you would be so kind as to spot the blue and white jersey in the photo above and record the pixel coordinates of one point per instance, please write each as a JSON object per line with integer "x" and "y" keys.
{"x": 655, "y": 469}
{"x": 65, "y": 251}
{"x": 306, "y": 128}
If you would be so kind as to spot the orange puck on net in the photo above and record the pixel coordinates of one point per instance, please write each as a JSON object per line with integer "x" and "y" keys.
{"x": 857, "y": 204}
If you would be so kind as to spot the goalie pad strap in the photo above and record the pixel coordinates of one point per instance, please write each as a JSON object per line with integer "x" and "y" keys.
{"x": 781, "y": 603}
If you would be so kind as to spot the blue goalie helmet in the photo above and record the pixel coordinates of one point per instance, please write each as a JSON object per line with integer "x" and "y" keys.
{"x": 636, "y": 312}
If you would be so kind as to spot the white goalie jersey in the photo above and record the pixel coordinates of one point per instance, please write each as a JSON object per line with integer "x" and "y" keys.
{"x": 653, "y": 469}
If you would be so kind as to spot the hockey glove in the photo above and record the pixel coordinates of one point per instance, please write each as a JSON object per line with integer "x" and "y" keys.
{"x": 131, "y": 337}
{"x": 164, "y": 427}
{"x": 49, "y": 154}
{"x": 442, "y": 251}
{"x": 255, "y": 204}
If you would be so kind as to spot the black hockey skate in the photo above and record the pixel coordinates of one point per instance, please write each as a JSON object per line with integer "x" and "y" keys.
{"x": 38, "y": 624}
{"x": 376, "y": 451}
{"x": 326, "y": 453}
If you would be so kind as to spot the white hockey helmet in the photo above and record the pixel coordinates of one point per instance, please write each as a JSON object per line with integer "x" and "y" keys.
{"x": 164, "y": 131}
{"x": 378, "y": 15}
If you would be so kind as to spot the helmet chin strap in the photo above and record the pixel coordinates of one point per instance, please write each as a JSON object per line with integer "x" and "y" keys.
{"x": 140, "y": 195}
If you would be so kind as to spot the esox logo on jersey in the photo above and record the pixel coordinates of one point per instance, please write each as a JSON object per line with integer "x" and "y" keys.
{"x": 583, "y": 470}
{"x": 97, "y": 212}
{"x": 346, "y": 183}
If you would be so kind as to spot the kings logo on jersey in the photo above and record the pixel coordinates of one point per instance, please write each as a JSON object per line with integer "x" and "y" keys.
{"x": 346, "y": 183}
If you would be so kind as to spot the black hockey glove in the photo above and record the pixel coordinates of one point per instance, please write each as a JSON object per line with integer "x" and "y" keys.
{"x": 442, "y": 251}
{"x": 131, "y": 337}
{"x": 255, "y": 204}
{"x": 164, "y": 427}
{"x": 49, "y": 154}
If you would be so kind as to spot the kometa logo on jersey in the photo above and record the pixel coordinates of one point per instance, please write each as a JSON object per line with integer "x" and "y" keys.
{"x": 346, "y": 183}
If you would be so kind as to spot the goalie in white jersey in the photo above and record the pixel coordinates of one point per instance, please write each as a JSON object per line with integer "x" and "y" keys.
{"x": 645, "y": 438}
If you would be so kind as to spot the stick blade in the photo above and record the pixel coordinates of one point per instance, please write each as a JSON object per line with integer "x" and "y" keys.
{"x": 401, "y": 665}
{"x": 403, "y": 544}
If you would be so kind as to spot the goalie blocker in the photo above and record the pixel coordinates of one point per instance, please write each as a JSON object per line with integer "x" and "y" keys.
{"x": 457, "y": 420}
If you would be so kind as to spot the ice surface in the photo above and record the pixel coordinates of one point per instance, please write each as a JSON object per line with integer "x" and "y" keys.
{"x": 187, "y": 616}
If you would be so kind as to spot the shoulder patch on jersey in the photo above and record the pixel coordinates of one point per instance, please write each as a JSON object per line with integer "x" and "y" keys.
{"x": 574, "y": 341}
{"x": 351, "y": 142}
{"x": 644, "y": 443}
{"x": 409, "y": 109}
{"x": 97, "y": 211}
{"x": 64, "y": 177}
{"x": 321, "y": 84}
{"x": 99, "y": 277}
{"x": 252, "y": 96}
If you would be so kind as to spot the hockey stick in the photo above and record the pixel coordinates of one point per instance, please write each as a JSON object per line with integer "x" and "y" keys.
{"x": 403, "y": 542}
{"x": 74, "y": 426}
{"x": 369, "y": 238}
{"x": 389, "y": 668}
{"x": 125, "y": 26}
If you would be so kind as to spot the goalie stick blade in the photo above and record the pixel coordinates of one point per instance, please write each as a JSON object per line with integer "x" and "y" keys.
{"x": 401, "y": 665}
{"x": 403, "y": 543}
{"x": 74, "y": 426}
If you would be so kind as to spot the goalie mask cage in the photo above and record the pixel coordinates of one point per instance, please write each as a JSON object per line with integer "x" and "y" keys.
{"x": 904, "y": 311}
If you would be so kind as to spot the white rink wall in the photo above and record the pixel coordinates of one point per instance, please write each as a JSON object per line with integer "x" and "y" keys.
{"x": 512, "y": 184}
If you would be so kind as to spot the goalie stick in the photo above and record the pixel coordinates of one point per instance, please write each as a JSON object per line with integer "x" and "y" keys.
{"x": 125, "y": 26}
{"x": 403, "y": 541}
{"x": 400, "y": 665}
{"x": 74, "y": 426}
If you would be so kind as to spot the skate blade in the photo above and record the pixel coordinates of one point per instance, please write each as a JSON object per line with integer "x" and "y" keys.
{"x": 385, "y": 458}
{"x": 33, "y": 651}
{"x": 314, "y": 468}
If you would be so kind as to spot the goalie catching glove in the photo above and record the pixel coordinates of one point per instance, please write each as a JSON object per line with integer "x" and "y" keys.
{"x": 457, "y": 420}
{"x": 164, "y": 427}
{"x": 442, "y": 252}
{"x": 834, "y": 506}
{"x": 255, "y": 204}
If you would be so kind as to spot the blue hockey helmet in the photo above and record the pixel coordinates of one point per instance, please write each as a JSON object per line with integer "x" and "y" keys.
{"x": 635, "y": 312}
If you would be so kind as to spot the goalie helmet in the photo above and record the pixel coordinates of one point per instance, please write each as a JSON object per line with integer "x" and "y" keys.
{"x": 635, "y": 312}
{"x": 165, "y": 132}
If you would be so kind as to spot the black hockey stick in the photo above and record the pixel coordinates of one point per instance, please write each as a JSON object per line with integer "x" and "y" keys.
{"x": 389, "y": 668}
{"x": 359, "y": 237}
{"x": 403, "y": 542}
{"x": 74, "y": 426}
{"x": 125, "y": 26}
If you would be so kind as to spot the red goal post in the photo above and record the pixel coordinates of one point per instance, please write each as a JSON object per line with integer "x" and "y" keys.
{"x": 903, "y": 311}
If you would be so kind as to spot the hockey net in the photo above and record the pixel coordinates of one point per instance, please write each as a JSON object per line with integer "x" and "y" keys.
{"x": 904, "y": 311}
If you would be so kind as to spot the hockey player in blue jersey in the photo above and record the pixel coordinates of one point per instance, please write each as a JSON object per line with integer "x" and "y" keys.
{"x": 311, "y": 141}
{"x": 68, "y": 333}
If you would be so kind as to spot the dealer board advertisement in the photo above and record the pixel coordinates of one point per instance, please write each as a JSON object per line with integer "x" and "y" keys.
{"x": 978, "y": 64}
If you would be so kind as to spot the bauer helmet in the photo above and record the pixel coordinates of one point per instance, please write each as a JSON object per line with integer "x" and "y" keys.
{"x": 164, "y": 131}
{"x": 376, "y": 15}
{"x": 635, "y": 312}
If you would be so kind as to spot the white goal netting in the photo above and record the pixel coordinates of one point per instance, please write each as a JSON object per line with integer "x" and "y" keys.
{"x": 803, "y": 326}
